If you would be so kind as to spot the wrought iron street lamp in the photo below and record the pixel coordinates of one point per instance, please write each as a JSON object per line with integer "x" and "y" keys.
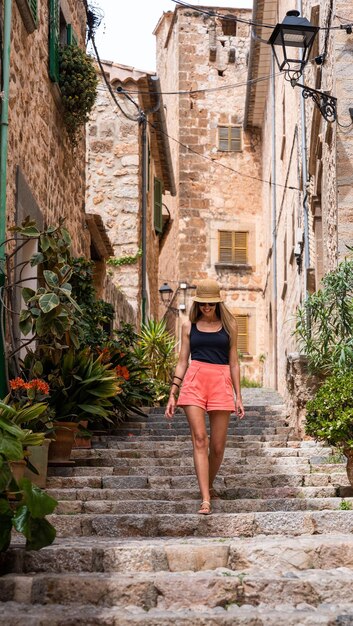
{"x": 297, "y": 33}
{"x": 166, "y": 293}
{"x": 293, "y": 34}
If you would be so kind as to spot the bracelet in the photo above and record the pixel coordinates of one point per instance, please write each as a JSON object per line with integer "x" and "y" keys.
{"x": 178, "y": 377}
{"x": 176, "y": 384}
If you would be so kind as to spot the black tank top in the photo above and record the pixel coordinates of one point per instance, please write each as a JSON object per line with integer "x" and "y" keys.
{"x": 209, "y": 347}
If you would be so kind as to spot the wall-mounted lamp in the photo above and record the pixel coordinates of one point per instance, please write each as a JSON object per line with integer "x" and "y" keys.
{"x": 297, "y": 32}
{"x": 168, "y": 295}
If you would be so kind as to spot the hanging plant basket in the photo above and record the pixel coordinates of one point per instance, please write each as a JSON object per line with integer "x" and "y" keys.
{"x": 78, "y": 85}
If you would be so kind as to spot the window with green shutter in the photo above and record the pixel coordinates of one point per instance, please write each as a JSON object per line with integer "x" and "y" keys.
{"x": 230, "y": 138}
{"x": 243, "y": 333}
{"x": 71, "y": 37}
{"x": 54, "y": 39}
{"x": 233, "y": 247}
{"x": 157, "y": 206}
{"x": 29, "y": 13}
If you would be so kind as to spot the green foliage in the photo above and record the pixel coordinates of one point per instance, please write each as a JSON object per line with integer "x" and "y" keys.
{"x": 78, "y": 85}
{"x": 156, "y": 350}
{"x": 25, "y": 511}
{"x": 247, "y": 383}
{"x": 125, "y": 260}
{"x": 345, "y": 505}
{"x": 97, "y": 315}
{"x": 83, "y": 387}
{"x": 329, "y": 415}
{"x": 14, "y": 436}
{"x": 325, "y": 321}
{"x": 136, "y": 388}
{"x": 52, "y": 315}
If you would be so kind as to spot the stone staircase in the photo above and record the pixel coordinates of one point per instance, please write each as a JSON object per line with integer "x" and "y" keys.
{"x": 131, "y": 548}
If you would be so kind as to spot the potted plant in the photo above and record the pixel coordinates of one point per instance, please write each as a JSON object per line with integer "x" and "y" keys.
{"x": 82, "y": 388}
{"x": 22, "y": 505}
{"x": 78, "y": 83}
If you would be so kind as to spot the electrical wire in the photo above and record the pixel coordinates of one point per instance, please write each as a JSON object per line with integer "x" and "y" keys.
{"x": 219, "y": 163}
{"x": 234, "y": 18}
{"x": 206, "y": 89}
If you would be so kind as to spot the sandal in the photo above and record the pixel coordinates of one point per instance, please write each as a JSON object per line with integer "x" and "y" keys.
{"x": 205, "y": 508}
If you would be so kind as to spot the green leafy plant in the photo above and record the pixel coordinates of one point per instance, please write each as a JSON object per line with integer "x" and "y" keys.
{"x": 78, "y": 83}
{"x": 345, "y": 505}
{"x": 83, "y": 387}
{"x": 125, "y": 260}
{"x": 52, "y": 316}
{"x": 324, "y": 323}
{"x": 156, "y": 349}
{"x": 329, "y": 415}
{"x": 247, "y": 383}
{"x": 22, "y": 505}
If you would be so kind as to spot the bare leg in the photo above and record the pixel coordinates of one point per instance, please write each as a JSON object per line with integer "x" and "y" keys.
{"x": 196, "y": 418}
{"x": 219, "y": 421}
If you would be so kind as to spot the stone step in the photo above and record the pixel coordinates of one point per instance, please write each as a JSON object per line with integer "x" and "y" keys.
{"x": 175, "y": 591}
{"x": 192, "y": 524}
{"x": 138, "y": 444}
{"x": 92, "y": 554}
{"x": 184, "y": 431}
{"x": 186, "y": 438}
{"x": 88, "y": 493}
{"x": 68, "y": 507}
{"x": 180, "y": 451}
{"x": 16, "y": 614}
{"x": 148, "y": 481}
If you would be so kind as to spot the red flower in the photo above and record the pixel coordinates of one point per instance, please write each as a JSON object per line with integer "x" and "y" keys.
{"x": 39, "y": 385}
{"x": 17, "y": 383}
{"x": 122, "y": 371}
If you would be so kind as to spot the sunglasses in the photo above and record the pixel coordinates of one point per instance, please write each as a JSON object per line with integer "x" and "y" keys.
{"x": 207, "y": 303}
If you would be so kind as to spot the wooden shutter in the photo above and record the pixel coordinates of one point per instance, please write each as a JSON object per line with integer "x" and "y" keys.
{"x": 243, "y": 333}
{"x": 157, "y": 206}
{"x": 233, "y": 247}
{"x": 230, "y": 138}
{"x": 71, "y": 37}
{"x": 54, "y": 39}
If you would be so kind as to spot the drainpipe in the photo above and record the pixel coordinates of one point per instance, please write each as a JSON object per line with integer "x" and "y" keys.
{"x": 304, "y": 182}
{"x": 274, "y": 223}
{"x": 4, "y": 123}
{"x": 143, "y": 124}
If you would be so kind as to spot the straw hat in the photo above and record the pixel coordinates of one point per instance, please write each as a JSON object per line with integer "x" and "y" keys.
{"x": 208, "y": 290}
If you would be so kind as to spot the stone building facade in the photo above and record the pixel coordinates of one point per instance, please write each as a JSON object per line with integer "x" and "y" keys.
{"x": 115, "y": 162}
{"x": 218, "y": 227}
{"x": 45, "y": 174}
{"x": 307, "y": 196}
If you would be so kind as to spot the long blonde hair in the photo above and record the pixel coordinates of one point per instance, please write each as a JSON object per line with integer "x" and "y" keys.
{"x": 223, "y": 313}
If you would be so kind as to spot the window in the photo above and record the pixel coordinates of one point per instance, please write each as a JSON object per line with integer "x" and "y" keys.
{"x": 157, "y": 206}
{"x": 229, "y": 26}
{"x": 230, "y": 138}
{"x": 233, "y": 247}
{"x": 61, "y": 33}
{"x": 243, "y": 333}
{"x": 29, "y": 13}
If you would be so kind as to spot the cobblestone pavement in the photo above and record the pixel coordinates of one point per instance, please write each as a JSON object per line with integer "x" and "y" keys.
{"x": 131, "y": 548}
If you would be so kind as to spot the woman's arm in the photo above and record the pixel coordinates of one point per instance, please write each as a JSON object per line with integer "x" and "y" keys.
{"x": 235, "y": 375}
{"x": 180, "y": 369}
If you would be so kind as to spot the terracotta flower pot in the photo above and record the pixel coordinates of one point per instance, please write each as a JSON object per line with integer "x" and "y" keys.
{"x": 60, "y": 448}
{"x": 348, "y": 452}
{"x": 82, "y": 441}
{"x": 38, "y": 456}
{"x": 18, "y": 469}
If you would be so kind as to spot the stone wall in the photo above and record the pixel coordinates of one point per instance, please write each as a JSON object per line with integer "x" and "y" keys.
{"x": 217, "y": 190}
{"x": 38, "y": 142}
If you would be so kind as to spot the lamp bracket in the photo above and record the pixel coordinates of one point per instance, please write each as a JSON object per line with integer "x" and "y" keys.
{"x": 326, "y": 104}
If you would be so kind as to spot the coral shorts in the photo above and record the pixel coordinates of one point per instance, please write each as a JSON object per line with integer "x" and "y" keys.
{"x": 208, "y": 386}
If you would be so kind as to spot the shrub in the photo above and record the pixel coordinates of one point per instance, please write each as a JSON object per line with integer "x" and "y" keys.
{"x": 329, "y": 414}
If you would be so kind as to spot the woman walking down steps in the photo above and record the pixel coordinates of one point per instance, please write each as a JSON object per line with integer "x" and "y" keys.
{"x": 210, "y": 336}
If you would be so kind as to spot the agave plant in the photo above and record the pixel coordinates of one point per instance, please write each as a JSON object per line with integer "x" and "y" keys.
{"x": 156, "y": 350}
{"x": 83, "y": 387}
